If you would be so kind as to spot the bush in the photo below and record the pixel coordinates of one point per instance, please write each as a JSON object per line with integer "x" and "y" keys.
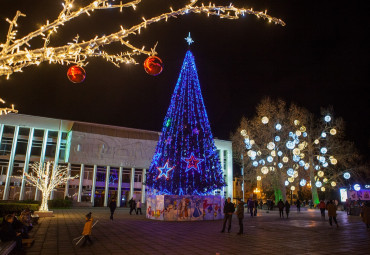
{"x": 9, "y": 207}
{"x": 59, "y": 203}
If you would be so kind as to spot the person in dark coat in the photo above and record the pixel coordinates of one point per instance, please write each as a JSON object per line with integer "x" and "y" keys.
{"x": 255, "y": 207}
{"x": 112, "y": 207}
{"x": 132, "y": 204}
{"x": 250, "y": 206}
{"x": 8, "y": 233}
{"x": 229, "y": 209}
{"x": 281, "y": 205}
{"x": 240, "y": 214}
{"x": 298, "y": 205}
{"x": 287, "y": 209}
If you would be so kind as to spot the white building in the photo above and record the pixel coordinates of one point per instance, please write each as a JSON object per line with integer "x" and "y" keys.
{"x": 110, "y": 160}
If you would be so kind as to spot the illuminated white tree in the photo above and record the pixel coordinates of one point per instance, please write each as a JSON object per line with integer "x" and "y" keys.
{"x": 46, "y": 178}
{"x": 289, "y": 147}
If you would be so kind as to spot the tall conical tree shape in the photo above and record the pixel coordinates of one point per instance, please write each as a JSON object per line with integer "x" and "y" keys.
{"x": 186, "y": 161}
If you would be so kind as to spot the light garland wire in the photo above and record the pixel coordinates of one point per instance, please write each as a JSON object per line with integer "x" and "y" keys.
{"x": 16, "y": 54}
{"x": 6, "y": 110}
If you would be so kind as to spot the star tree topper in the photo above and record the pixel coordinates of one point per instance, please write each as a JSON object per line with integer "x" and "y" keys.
{"x": 189, "y": 40}
{"x": 192, "y": 163}
{"x": 163, "y": 171}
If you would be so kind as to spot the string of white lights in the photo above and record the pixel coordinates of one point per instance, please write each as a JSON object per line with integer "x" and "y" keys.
{"x": 16, "y": 54}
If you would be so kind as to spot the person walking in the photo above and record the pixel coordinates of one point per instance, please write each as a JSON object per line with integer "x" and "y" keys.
{"x": 240, "y": 214}
{"x": 281, "y": 205}
{"x": 298, "y": 205}
{"x": 87, "y": 229}
{"x": 132, "y": 204}
{"x": 138, "y": 207}
{"x": 250, "y": 206}
{"x": 287, "y": 209}
{"x": 322, "y": 209}
{"x": 255, "y": 207}
{"x": 229, "y": 209}
{"x": 112, "y": 207}
{"x": 365, "y": 213}
{"x": 332, "y": 212}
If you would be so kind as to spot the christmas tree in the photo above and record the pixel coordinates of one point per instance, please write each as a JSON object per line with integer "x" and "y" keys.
{"x": 186, "y": 161}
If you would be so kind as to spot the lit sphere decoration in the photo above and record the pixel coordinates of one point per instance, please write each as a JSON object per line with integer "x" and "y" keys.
{"x": 346, "y": 175}
{"x": 292, "y": 188}
{"x": 320, "y": 173}
{"x": 259, "y": 153}
{"x": 280, "y": 165}
{"x": 323, "y": 134}
{"x": 323, "y": 150}
{"x": 296, "y": 122}
{"x": 302, "y": 129}
{"x": 291, "y": 179}
{"x": 333, "y": 161}
{"x": 277, "y": 138}
{"x": 325, "y": 180}
{"x": 302, "y": 182}
{"x": 285, "y": 159}
{"x": 262, "y": 162}
{"x": 273, "y": 153}
{"x": 280, "y": 153}
{"x": 259, "y": 178}
{"x": 76, "y": 74}
{"x": 255, "y": 163}
{"x": 357, "y": 187}
{"x": 298, "y": 133}
{"x": 316, "y": 141}
{"x": 290, "y": 172}
{"x": 270, "y": 146}
{"x": 318, "y": 184}
{"x": 270, "y": 159}
{"x": 264, "y": 170}
{"x": 265, "y": 120}
{"x": 327, "y": 118}
{"x": 333, "y": 131}
{"x": 333, "y": 184}
{"x": 243, "y": 132}
{"x": 322, "y": 189}
{"x": 286, "y": 183}
{"x": 153, "y": 65}
{"x": 295, "y": 175}
{"x": 304, "y": 134}
{"x": 325, "y": 164}
{"x": 278, "y": 126}
{"x": 290, "y": 145}
{"x": 296, "y": 151}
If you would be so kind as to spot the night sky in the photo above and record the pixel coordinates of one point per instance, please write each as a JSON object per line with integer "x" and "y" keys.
{"x": 319, "y": 58}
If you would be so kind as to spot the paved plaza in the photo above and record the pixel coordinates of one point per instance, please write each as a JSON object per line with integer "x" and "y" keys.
{"x": 302, "y": 233}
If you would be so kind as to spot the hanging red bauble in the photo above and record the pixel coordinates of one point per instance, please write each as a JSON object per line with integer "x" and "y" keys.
{"x": 153, "y": 65}
{"x": 76, "y": 74}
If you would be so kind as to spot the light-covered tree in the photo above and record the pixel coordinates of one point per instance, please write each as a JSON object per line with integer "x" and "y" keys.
{"x": 6, "y": 110}
{"x": 46, "y": 178}
{"x": 288, "y": 147}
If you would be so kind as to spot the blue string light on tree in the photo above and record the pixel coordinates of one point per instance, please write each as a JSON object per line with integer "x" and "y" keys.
{"x": 186, "y": 141}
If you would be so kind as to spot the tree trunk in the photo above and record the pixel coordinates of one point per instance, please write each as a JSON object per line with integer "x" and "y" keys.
{"x": 315, "y": 196}
{"x": 44, "y": 202}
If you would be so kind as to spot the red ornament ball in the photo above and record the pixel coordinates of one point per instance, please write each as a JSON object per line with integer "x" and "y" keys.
{"x": 76, "y": 74}
{"x": 153, "y": 65}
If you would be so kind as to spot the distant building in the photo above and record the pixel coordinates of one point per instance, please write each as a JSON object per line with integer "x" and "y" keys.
{"x": 111, "y": 161}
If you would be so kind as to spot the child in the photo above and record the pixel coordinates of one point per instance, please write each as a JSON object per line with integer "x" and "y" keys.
{"x": 87, "y": 229}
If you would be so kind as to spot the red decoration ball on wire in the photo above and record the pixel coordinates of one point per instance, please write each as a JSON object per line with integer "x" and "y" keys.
{"x": 76, "y": 74}
{"x": 153, "y": 65}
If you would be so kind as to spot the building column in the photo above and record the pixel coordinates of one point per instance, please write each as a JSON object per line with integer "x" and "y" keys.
{"x": 42, "y": 157}
{"x": 1, "y": 132}
{"x": 66, "y": 193}
{"x": 81, "y": 182}
{"x": 93, "y": 185}
{"x": 119, "y": 188}
{"x": 11, "y": 164}
{"x": 106, "y": 187}
{"x": 26, "y": 162}
{"x": 223, "y": 172}
{"x": 132, "y": 182}
{"x": 56, "y": 158}
{"x": 143, "y": 179}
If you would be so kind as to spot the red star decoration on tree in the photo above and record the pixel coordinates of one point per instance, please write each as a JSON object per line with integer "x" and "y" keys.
{"x": 192, "y": 163}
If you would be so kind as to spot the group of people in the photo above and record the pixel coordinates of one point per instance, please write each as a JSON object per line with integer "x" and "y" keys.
{"x": 135, "y": 206}
{"x": 281, "y": 205}
{"x": 15, "y": 228}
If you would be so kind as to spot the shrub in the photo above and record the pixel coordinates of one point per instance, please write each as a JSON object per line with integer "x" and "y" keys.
{"x": 8, "y": 207}
{"x": 59, "y": 203}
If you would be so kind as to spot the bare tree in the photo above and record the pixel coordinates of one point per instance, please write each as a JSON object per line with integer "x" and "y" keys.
{"x": 44, "y": 178}
{"x": 289, "y": 147}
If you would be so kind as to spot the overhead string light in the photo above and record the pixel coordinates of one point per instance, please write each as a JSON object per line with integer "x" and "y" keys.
{"x": 6, "y": 110}
{"x": 15, "y": 54}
